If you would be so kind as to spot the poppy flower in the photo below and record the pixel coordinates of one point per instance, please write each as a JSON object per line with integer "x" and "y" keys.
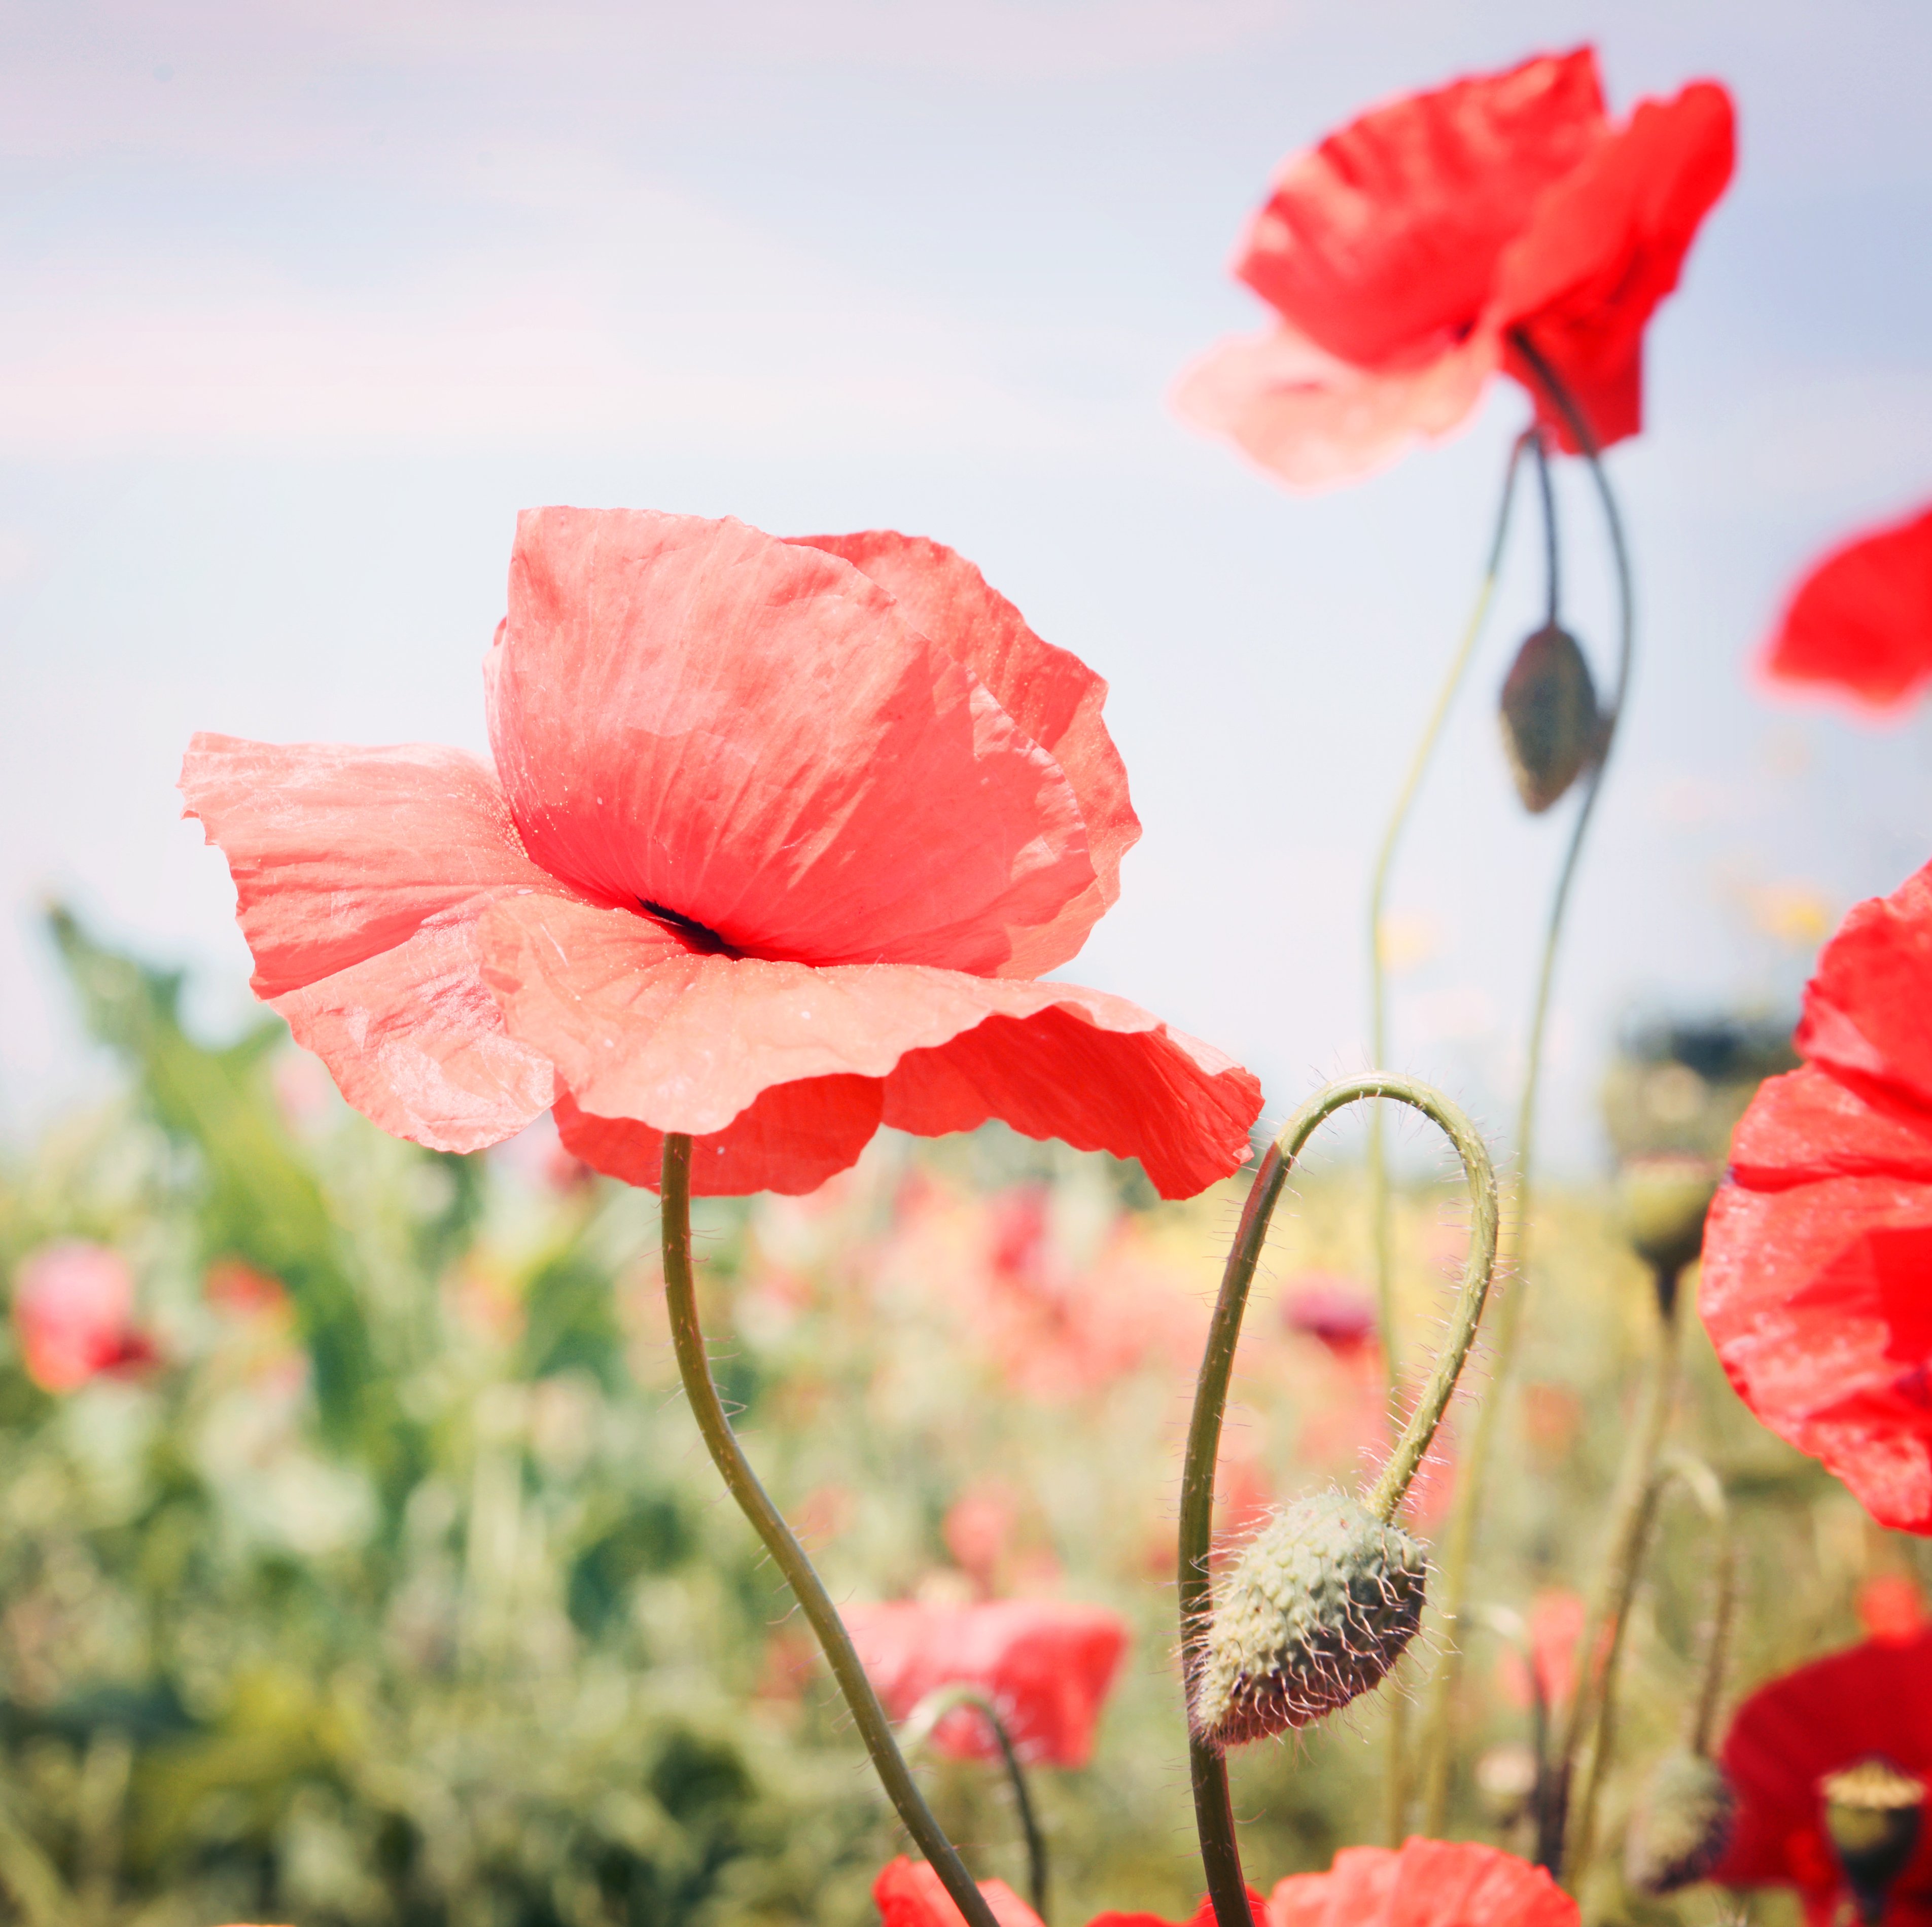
{"x": 1047, "y": 1664}
{"x": 909, "y": 1894}
{"x": 1401, "y": 255}
{"x": 1424, "y": 1884}
{"x": 1860, "y": 622}
{"x": 1871, "y": 1701}
{"x": 1333, "y": 1310}
{"x": 1817, "y": 1247}
{"x": 74, "y": 1311}
{"x": 780, "y": 836}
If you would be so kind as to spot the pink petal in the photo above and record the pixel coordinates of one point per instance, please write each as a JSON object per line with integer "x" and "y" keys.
{"x": 1050, "y": 693}
{"x": 1314, "y": 421}
{"x": 641, "y": 1027}
{"x": 909, "y": 1894}
{"x": 750, "y": 735}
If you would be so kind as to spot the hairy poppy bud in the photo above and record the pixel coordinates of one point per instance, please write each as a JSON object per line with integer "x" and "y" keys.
{"x": 1317, "y": 1610}
{"x": 1663, "y": 1201}
{"x": 1681, "y": 1825}
{"x": 1551, "y": 727}
{"x": 1872, "y": 1813}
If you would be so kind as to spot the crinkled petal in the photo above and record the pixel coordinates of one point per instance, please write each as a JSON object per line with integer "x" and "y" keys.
{"x": 641, "y": 1027}
{"x": 1860, "y": 622}
{"x": 1805, "y": 1126}
{"x": 1050, "y": 693}
{"x": 1314, "y": 421}
{"x": 751, "y": 735}
{"x": 1605, "y": 245}
{"x": 1426, "y": 1883}
{"x": 339, "y": 853}
{"x": 1381, "y": 243}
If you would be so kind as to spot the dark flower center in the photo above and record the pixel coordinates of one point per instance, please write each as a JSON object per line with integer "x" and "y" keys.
{"x": 701, "y": 936}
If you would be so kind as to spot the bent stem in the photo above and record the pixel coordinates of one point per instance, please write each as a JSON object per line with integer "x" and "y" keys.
{"x": 918, "y": 1729}
{"x": 694, "y": 1369}
{"x": 1213, "y": 1813}
{"x": 1438, "y": 1738}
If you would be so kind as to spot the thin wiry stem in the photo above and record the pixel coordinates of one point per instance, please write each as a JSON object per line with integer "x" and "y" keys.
{"x": 700, "y": 1388}
{"x": 1213, "y": 1813}
{"x": 918, "y": 1729}
{"x": 1438, "y": 1738}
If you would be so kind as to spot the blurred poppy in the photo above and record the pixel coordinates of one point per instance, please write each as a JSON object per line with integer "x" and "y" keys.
{"x": 1871, "y": 1701}
{"x": 1047, "y": 1664}
{"x": 1860, "y": 622}
{"x": 1553, "y": 1626}
{"x": 1424, "y": 1884}
{"x": 779, "y": 835}
{"x": 909, "y": 1894}
{"x": 1891, "y": 1609}
{"x": 1333, "y": 1310}
{"x": 74, "y": 1311}
{"x": 1818, "y": 1247}
{"x": 1401, "y": 254}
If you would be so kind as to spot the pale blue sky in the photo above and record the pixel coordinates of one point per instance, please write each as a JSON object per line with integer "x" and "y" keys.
{"x": 304, "y": 301}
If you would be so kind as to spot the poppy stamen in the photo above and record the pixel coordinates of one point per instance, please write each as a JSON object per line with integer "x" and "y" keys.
{"x": 702, "y": 937}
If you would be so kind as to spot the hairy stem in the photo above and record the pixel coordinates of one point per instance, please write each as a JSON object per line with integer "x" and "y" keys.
{"x": 701, "y": 1389}
{"x": 918, "y": 1729}
{"x": 1213, "y": 1813}
{"x": 1439, "y": 1734}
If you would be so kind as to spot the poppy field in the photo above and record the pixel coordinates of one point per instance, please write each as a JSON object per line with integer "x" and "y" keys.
{"x": 674, "y": 1369}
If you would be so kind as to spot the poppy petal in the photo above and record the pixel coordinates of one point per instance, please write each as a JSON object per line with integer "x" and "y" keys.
{"x": 339, "y": 853}
{"x": 1381, "y": 244}
{"x": 909, "y": 1893}
{"x": 1314, "y": 421}
{"x": 1050, "y": 693}
{"x": 1604, "y": 246}
{"x": 1425, "y": 1884}
{"x": 641, "y": 1027}
{"x": 1805, "y": 1126}
{"x": 750, "y": 734}
{"x": 1861, "y": 620}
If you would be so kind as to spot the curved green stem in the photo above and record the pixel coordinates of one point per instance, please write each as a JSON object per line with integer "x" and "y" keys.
{"x": 918, "y": 1729}
{"x": 1213, "y": 1813}
{"x": 1438, "y": 1738}
{"x": 694, "y": 1369}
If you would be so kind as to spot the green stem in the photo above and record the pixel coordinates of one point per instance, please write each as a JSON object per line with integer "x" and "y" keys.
{"x": 1438, "y": 1739}
{"x": 918, "y": 1729}
{"x": 694, "y": 1369}
{"x": 1213, "y": 1813}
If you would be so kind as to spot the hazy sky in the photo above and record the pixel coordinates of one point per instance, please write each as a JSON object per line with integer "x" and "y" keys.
{"x": 303, "y": 301}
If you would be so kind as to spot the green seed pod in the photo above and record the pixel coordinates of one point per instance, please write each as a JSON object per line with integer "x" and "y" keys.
{"x": 1663, "y": 1201}
{"x": 1552, "y": 728}
{"x": 1873, "y": 1812}
{"x": 1317, "y": 1610}
{"x": 1681, "y": 1825}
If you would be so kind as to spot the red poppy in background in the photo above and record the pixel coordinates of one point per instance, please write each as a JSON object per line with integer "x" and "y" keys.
{"x": 779, "y": 835}
{"x": 909, "y": 1894}
{"x": 1860, "y": 622}
{"x": 1048, "y": 1664}
{"x": 1818, "y": 1247}
{"x": 1402, "y": 253}
{"x": 74, "y": 1311}
{"x": 1425, "y": 1884}
{"x": 1872, "y": 1699}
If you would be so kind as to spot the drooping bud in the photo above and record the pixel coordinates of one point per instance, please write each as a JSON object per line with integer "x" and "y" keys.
{"x": 1681, "y": 1825}
{"x": 1315, "y": 1611}
{"x": 1663, "y": 1202}
{"x": 1872, "y": 1816}
{"x": 1552, "y": 727}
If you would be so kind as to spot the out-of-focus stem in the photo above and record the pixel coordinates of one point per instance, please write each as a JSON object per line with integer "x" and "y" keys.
{"x": 918, "y": 1729}
{"x": 1438, "y": 1736}
{"x": 1213, "y": 1813}
{"x": 701, "y": 1389}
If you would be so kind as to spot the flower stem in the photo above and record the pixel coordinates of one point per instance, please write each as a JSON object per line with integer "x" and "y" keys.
{"x": 1213, "y": 1813}
{"x": 918, "y": 1729}
{"x": 694, "y": 1369}
{"x": 1438, "y": 1736}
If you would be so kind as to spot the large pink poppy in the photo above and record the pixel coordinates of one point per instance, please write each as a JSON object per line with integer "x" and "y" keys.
{"x": 1818, "y": 1247}
{"x": 780, "y": 836}
{"x": 1401, "y": 254}
{"x": 1860, "y": 621}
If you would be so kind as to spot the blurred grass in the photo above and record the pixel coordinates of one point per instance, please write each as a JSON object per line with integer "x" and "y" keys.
{"x": 400, "y": 1592}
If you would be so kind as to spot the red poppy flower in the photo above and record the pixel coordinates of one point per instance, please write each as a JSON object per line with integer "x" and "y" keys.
{"x": 1425, "y": 1884}
{"x": 1818, "y": 1246}
{"x": 74, "y": 1310}
{"x": 1400, "y": 253}
{"x": 779, "y": 835}
{"x": 1872, "y": 1699}
{"x": 909, "y": 1894}
{"x": 1048, "y": 1664}
{"x": 1860, "y": 622}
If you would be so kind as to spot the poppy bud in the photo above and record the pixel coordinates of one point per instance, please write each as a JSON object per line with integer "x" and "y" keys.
{"x": 1316, "y": 1610}
{"x": 1681, "y": 1825}
{"x": 1662, "y": 1201}
{"x": 1552, "y": 728}
{"x": 1872, "y": 1814}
